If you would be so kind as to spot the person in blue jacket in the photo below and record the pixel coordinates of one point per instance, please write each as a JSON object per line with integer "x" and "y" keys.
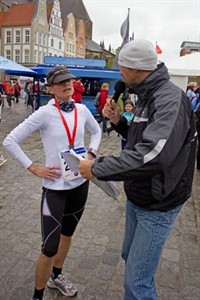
{"x": 196, "y": 106}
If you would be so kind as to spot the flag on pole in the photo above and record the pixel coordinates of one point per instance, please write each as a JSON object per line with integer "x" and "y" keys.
{"x": 158, "y": 50}
{"x": 124, "y": 31}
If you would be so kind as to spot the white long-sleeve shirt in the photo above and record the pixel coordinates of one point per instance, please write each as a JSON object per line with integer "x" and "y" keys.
{"x": 48, "y": 121}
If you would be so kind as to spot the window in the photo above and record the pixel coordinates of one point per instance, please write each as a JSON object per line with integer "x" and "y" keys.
{"x": 36, "y": 37}
{"x": 8, "y": 37}
{"x": 17, "y": 36}
{"x": 52, "y": 43}
{"x": 40, "y": 39}
{"x": 71, "y": 35}
{"x": 26, "y": 56}
{"x": 17, "y": 56}
{"x": 40, "y": 57}
{"x": 44, "y": 40}
{"x": 35, "y": 56}
{"x": 8, "y": 54}
{"x": 27, "y": 36}
{"x": 60, "y": 45}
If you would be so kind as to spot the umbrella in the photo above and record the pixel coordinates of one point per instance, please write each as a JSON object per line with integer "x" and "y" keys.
{"x": 11, "y": 67}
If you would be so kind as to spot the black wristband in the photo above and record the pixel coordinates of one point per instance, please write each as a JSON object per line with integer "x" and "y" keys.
{"x": 92, "y": 152}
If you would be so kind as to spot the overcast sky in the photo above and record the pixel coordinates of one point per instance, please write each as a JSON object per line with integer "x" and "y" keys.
{"x": 168, "y": 22}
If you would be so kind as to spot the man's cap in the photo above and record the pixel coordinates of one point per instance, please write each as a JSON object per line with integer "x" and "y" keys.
{"x": 58, "y": 74}
{"x": 138, "y": 54}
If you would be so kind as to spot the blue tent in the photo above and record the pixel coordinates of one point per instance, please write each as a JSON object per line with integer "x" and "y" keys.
{"x": 103, "y": 75}
{"x": 82, "y": 72}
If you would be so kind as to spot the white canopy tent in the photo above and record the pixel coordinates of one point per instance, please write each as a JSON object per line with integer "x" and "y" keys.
{"x": 11, "y": 67}
{"x": 183, "y": 67}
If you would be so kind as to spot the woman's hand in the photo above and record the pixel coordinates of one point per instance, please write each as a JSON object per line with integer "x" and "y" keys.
{"x": 50, "y": 173}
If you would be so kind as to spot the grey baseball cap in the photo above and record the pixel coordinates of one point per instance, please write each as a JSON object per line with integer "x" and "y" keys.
{"x": 58, "y": 74}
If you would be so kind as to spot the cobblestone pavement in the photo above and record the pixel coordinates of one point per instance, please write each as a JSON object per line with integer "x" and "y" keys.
{"x": 94, "y": 263}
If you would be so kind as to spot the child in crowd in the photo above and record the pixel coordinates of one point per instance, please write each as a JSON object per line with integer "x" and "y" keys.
{"x": 102, "y": 101}
{"x": 128, "y": 114}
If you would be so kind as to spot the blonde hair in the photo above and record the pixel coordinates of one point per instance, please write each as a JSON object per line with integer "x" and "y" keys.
{"x": 192, "y": 84}
{"x": 105, "y": 86}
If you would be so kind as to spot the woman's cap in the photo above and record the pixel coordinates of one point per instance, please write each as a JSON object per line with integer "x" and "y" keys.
{"x": 58, "y": 74}
{"x": 139, "y": 54}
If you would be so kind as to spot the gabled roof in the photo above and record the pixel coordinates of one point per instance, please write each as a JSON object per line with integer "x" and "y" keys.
{"x": 3, "y": 16}
{"x": 92, "y": 46}
{"x": 10, "y": 2}
{"x": 49, "y": 10}
{"x": 76, "y": 7}
{"x": 19, "y": 15}
{"x": 190, "y": 45}
{"x": 65, "y": 24}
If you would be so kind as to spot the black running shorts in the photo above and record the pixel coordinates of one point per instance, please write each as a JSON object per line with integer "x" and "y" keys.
{"x": 60, "y": 214}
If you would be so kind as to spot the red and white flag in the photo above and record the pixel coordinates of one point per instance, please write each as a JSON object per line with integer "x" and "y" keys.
{"x": 158, "y": 50}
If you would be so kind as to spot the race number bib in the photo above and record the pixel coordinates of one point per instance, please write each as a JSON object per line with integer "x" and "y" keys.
{"x": 66, "y": 172}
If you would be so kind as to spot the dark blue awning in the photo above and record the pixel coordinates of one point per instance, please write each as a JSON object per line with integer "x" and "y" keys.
{"x": 83, "y": 72}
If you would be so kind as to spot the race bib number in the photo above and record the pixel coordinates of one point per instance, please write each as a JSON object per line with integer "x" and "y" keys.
{"x": 67, "y": 173}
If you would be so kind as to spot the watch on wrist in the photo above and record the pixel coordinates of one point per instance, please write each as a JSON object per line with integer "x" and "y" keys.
{"x": 92, "y": 152}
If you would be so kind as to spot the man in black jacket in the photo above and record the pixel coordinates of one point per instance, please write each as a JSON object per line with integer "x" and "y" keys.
{"x": 156, "y": 165}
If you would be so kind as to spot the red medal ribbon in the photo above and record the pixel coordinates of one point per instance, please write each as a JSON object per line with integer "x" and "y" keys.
{"x": 71, "y": 138}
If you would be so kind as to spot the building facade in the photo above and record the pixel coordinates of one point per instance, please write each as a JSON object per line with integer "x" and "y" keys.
{"x": 70, "y": 36}
{"x": 188, "y": 47}
{"x": 56, "y": 34}
{"x": 32, "y": 29}
{"x": 24, "y": 36}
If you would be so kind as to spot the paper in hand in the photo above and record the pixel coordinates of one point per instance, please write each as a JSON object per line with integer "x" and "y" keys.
{"x": 72, "y": 159}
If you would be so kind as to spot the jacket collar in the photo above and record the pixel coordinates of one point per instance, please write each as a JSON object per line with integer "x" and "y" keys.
{"x": 151, "y": 83}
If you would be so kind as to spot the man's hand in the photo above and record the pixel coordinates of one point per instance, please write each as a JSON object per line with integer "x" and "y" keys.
{"x": 50, "y": 173}
{"x": 111, "y": 111}
{"x": 85, "y": 168}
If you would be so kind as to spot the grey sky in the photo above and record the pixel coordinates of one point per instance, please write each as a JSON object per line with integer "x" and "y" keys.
{"x": 167, "y": 22}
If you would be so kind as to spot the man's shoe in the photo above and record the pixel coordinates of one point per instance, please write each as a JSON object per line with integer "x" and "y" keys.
{"x": 59, "y": 283}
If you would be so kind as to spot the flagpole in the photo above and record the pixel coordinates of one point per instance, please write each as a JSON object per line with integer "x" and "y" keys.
{"x": 124, "y": 31}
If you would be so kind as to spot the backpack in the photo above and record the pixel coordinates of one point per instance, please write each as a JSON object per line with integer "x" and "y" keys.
{"x": 97, "y": 100}
{"x": 196, "y": 101}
